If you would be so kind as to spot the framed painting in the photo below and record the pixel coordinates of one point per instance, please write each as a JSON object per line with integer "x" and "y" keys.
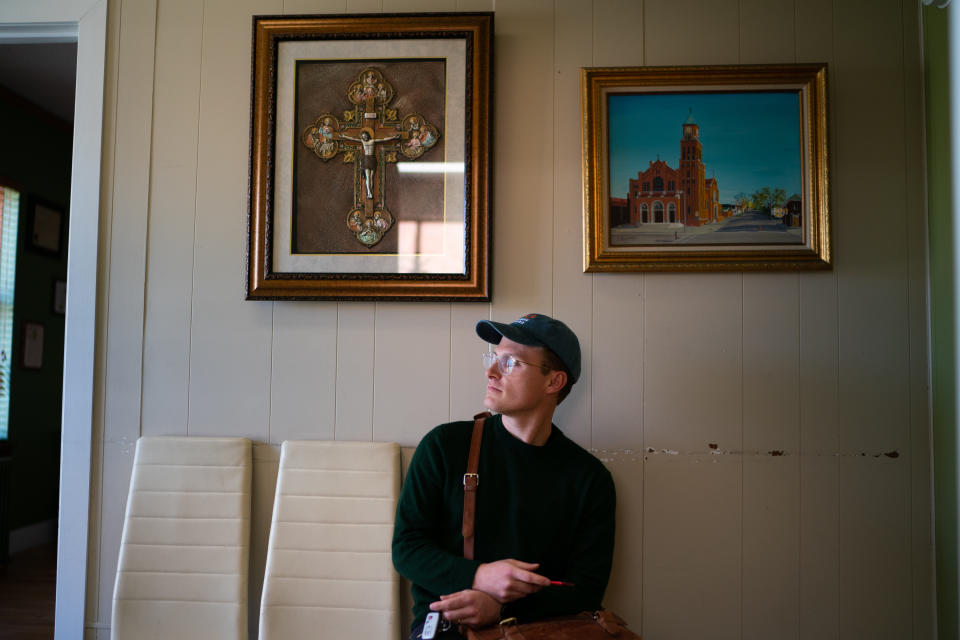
{"x": 718, "y": 168}
{"x": 370, "y": 157}
{"x": 32, "y": 354}
{"x": 46, "y": 226}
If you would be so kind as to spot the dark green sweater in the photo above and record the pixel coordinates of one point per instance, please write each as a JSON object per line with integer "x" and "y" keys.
{"x": 552, "y": 504}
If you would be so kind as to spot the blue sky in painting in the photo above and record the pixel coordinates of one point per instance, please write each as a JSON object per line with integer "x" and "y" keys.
{"x": 750, "y": 140}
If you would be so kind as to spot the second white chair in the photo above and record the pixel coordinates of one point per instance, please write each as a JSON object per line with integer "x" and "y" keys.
{"x": 329, "y": 571}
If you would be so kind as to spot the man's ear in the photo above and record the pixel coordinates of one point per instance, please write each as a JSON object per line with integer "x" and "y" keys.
{"x": 556, "y": 381}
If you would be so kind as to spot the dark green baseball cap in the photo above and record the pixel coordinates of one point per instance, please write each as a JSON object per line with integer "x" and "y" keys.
{"x": 537, "y": 330}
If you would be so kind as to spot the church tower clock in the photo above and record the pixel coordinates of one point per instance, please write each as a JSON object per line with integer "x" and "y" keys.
{"x": 692, "y": 171}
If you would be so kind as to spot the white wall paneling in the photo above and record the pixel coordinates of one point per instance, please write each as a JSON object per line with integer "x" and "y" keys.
{"x": 771, "y": 462}
{"x": 922, "y": 574}
{"x": 173, "y": 216}
{"x": 873, "y": 356}
{"x": 572, "y": 289}
{"x": 467, "y": 381}
{"x": 231, "y": 339}
{"x": 747, "y": 417}
{"x": 303, "y": 381}
{"x": 819, "y": 461}
{"x": 355, "y": 358}
{"x": 523, "y": 148}
{"x": 411, "y": 373}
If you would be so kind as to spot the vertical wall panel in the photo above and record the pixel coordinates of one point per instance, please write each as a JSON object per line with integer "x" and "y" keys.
{"x": 419, "y": 5}
{"x": 692, "y": 369}
{"x": 819, "y": 471}
{"x": 691, "y": 32}
{"x": 475, "y": 5}
{"x": 230, "y": 353}
{"x": 919, "y": 401}
{"x": 572, "y": 288}
{"x": 129, "y": 202}
{"x": 292, "y": 7}
{"x": 303, "y": 376}
{"x": 815, "y": 32}
{"x": 819, "y": 399}
{"x": 523, "y": 157}
{"x": 118, "y": 465}
{"x": 874, "y": 372}
{"x": 411, "y": 376}
{"x": 124, "y": 342}
{"x": 618, "y": 323}
{"x": 771, "y": 464}
{"x": 692, "y": 361}
{"x": 618, "y": 384}
{"x": 767, "y": 31}
{"x": 625, "y": 590}
{"x": 355, "y": 356}
{"x": 692, "y": 500}
{"x": 95, "y": 547}
{"x": 691, "y": 548}
{"x": 173, "y": 192}
{"x": 467, "y": 381}
{"x": 619, "y": 35}
{"x": 364, "y": 6}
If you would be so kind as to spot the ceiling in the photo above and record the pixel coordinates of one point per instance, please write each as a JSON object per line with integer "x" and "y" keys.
{"x": 44, "y": 74}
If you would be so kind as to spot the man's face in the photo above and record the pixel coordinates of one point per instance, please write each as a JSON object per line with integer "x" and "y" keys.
{"x": 525, "y": 389}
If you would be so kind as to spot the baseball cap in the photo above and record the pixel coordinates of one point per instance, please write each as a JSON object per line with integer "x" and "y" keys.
{"x": 537, "y": 330}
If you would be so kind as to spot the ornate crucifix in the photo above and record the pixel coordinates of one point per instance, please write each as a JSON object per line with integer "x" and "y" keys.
{"x": 370, "y": 136}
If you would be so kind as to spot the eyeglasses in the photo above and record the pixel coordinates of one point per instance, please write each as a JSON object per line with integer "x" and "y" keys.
{"x": 506, "y": 363}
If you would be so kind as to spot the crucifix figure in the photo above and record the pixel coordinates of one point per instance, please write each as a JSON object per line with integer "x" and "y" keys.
{"x": 369, "y": 156}
{"x": 370, "y": 136}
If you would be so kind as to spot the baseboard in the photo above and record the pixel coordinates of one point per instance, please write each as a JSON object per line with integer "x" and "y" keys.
{"x": 33, "y": 535}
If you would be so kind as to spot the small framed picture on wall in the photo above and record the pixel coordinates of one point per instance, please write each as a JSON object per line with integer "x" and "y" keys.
{"x": 32, "y": 345}
{"x": 46, "y": 226}
{"x": 59, "y": 305}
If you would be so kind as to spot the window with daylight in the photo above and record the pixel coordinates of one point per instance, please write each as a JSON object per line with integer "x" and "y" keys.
{"x": 9, "y": 215}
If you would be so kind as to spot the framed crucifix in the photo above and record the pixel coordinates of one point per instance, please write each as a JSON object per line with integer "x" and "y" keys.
{"x": 369, "y": 157}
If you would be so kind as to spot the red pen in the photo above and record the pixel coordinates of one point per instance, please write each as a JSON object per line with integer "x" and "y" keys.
{"x": 561, "y": 583}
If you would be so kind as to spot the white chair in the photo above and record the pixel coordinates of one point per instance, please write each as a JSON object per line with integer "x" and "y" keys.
{"x": 329, "y": 571}
{"x": 182, "y": 572}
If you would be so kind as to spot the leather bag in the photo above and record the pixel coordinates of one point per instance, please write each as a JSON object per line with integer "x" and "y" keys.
{"x": 599, "y": 625}
{"x": 596, "y": 625}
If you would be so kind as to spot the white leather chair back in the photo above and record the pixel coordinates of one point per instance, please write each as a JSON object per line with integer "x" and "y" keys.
{"x": 329, "y": 571}
{"x": 184, "y": 553}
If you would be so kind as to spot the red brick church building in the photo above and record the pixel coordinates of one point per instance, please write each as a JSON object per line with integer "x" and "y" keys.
{"x": 663, "y": 195}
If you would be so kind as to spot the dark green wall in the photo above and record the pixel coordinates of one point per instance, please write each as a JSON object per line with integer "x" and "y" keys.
{"x": 942, "y": 315}
{"x": 36, "y": 161}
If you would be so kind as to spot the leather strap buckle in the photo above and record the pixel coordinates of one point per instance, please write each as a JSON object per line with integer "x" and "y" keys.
{"x": 471, "y": 481}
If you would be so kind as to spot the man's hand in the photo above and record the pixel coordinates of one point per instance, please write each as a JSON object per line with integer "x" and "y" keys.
{"x": 508, "y": 580}
{"x": 469, "y": 607}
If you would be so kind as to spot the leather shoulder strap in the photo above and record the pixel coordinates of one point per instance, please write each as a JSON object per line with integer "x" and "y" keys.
{"x": 471, "y": 480}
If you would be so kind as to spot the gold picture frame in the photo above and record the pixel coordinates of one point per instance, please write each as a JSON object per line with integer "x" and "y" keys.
{"x": 370, "y": 169}
{"x": 749, "y": 186}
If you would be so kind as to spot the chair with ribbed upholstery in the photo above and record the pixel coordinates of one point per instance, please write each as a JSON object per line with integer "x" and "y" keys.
{"x": 184, "y": 553}
{"x": 329, "y": 572}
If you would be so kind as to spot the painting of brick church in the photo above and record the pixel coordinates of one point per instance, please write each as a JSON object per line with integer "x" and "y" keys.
{"x": 724, "y": 170}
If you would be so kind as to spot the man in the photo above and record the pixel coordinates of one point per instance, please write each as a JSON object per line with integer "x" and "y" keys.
{"x": 369, "y": 160}
{"x": 545, "y": 506}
